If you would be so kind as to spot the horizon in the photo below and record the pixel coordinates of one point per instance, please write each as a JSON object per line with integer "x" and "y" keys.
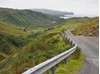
{"x": 88, "y": 8}
{"x": 53, "y": 10}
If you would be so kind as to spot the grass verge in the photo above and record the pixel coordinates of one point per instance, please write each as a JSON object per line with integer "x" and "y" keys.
{"x": 75, "y": 63}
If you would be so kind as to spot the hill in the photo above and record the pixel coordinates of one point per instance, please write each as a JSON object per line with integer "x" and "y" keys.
{"x": 88, "y": 28}
{"x": 27, "y": 18}
{"x": 11, "y": 39}
{"x": 12, "y": 30}
{"x": 15, "y": 28}
{"x": 18, "y": 52}
{"x": 53, "y": 12}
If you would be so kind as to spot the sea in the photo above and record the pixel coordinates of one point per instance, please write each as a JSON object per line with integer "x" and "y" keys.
{"x": 67, "y": 16}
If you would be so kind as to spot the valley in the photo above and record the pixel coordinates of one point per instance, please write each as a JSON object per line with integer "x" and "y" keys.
{"x": 28, "y": 38}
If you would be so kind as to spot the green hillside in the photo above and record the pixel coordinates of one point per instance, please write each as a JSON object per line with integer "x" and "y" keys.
{"x": 13, "y": 30}
{"x": 27, "y": 18}
{"x": 88, "y": 28}
{"x": 25, "y": 41}
{"x": 11, "y": 39}
{"x": 20, "y": 49}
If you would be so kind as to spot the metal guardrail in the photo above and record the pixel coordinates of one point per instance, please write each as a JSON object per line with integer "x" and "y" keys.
{"x": 43, "y": 67}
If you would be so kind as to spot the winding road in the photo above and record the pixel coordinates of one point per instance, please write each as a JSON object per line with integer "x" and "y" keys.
{"x": 90, "y": 48}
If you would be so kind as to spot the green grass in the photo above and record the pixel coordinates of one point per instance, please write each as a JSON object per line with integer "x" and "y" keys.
{"x": 27, "y": 18}
{"x": 41, "y": 45}
{"x": 73, "y": 67}
{"x": 31, "y": 55}
{"x": 68, "y": 24}
{"x": 13, "y": 30}
{"x": 77, "y": 59}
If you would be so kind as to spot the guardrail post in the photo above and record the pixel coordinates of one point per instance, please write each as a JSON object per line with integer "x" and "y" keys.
{"x": 71, "y": 43}
{"x": 54, "y": 70}
{"x": 66, "y": 61}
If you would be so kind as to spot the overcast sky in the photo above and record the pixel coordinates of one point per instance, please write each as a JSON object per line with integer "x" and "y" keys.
{"x": 79, "y": 7}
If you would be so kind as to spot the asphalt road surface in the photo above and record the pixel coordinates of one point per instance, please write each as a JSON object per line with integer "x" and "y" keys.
{"x": 90, "y": 49}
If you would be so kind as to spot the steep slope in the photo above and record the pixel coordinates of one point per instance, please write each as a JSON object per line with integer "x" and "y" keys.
{"x": 26, "y": 55}
{"x": 13, "y": 30}
{"x": 11, "y": 39}
{"x": 88, "y": 28}
{"x": 53, "y": 12}
{"x": 27, "y": 18}
{"x": 13, "y": 35}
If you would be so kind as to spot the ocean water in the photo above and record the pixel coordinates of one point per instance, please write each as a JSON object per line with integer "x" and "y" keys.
{"x": 67, "y": 16}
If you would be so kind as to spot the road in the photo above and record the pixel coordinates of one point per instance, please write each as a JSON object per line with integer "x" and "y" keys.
{"x": 90, "y": 49}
